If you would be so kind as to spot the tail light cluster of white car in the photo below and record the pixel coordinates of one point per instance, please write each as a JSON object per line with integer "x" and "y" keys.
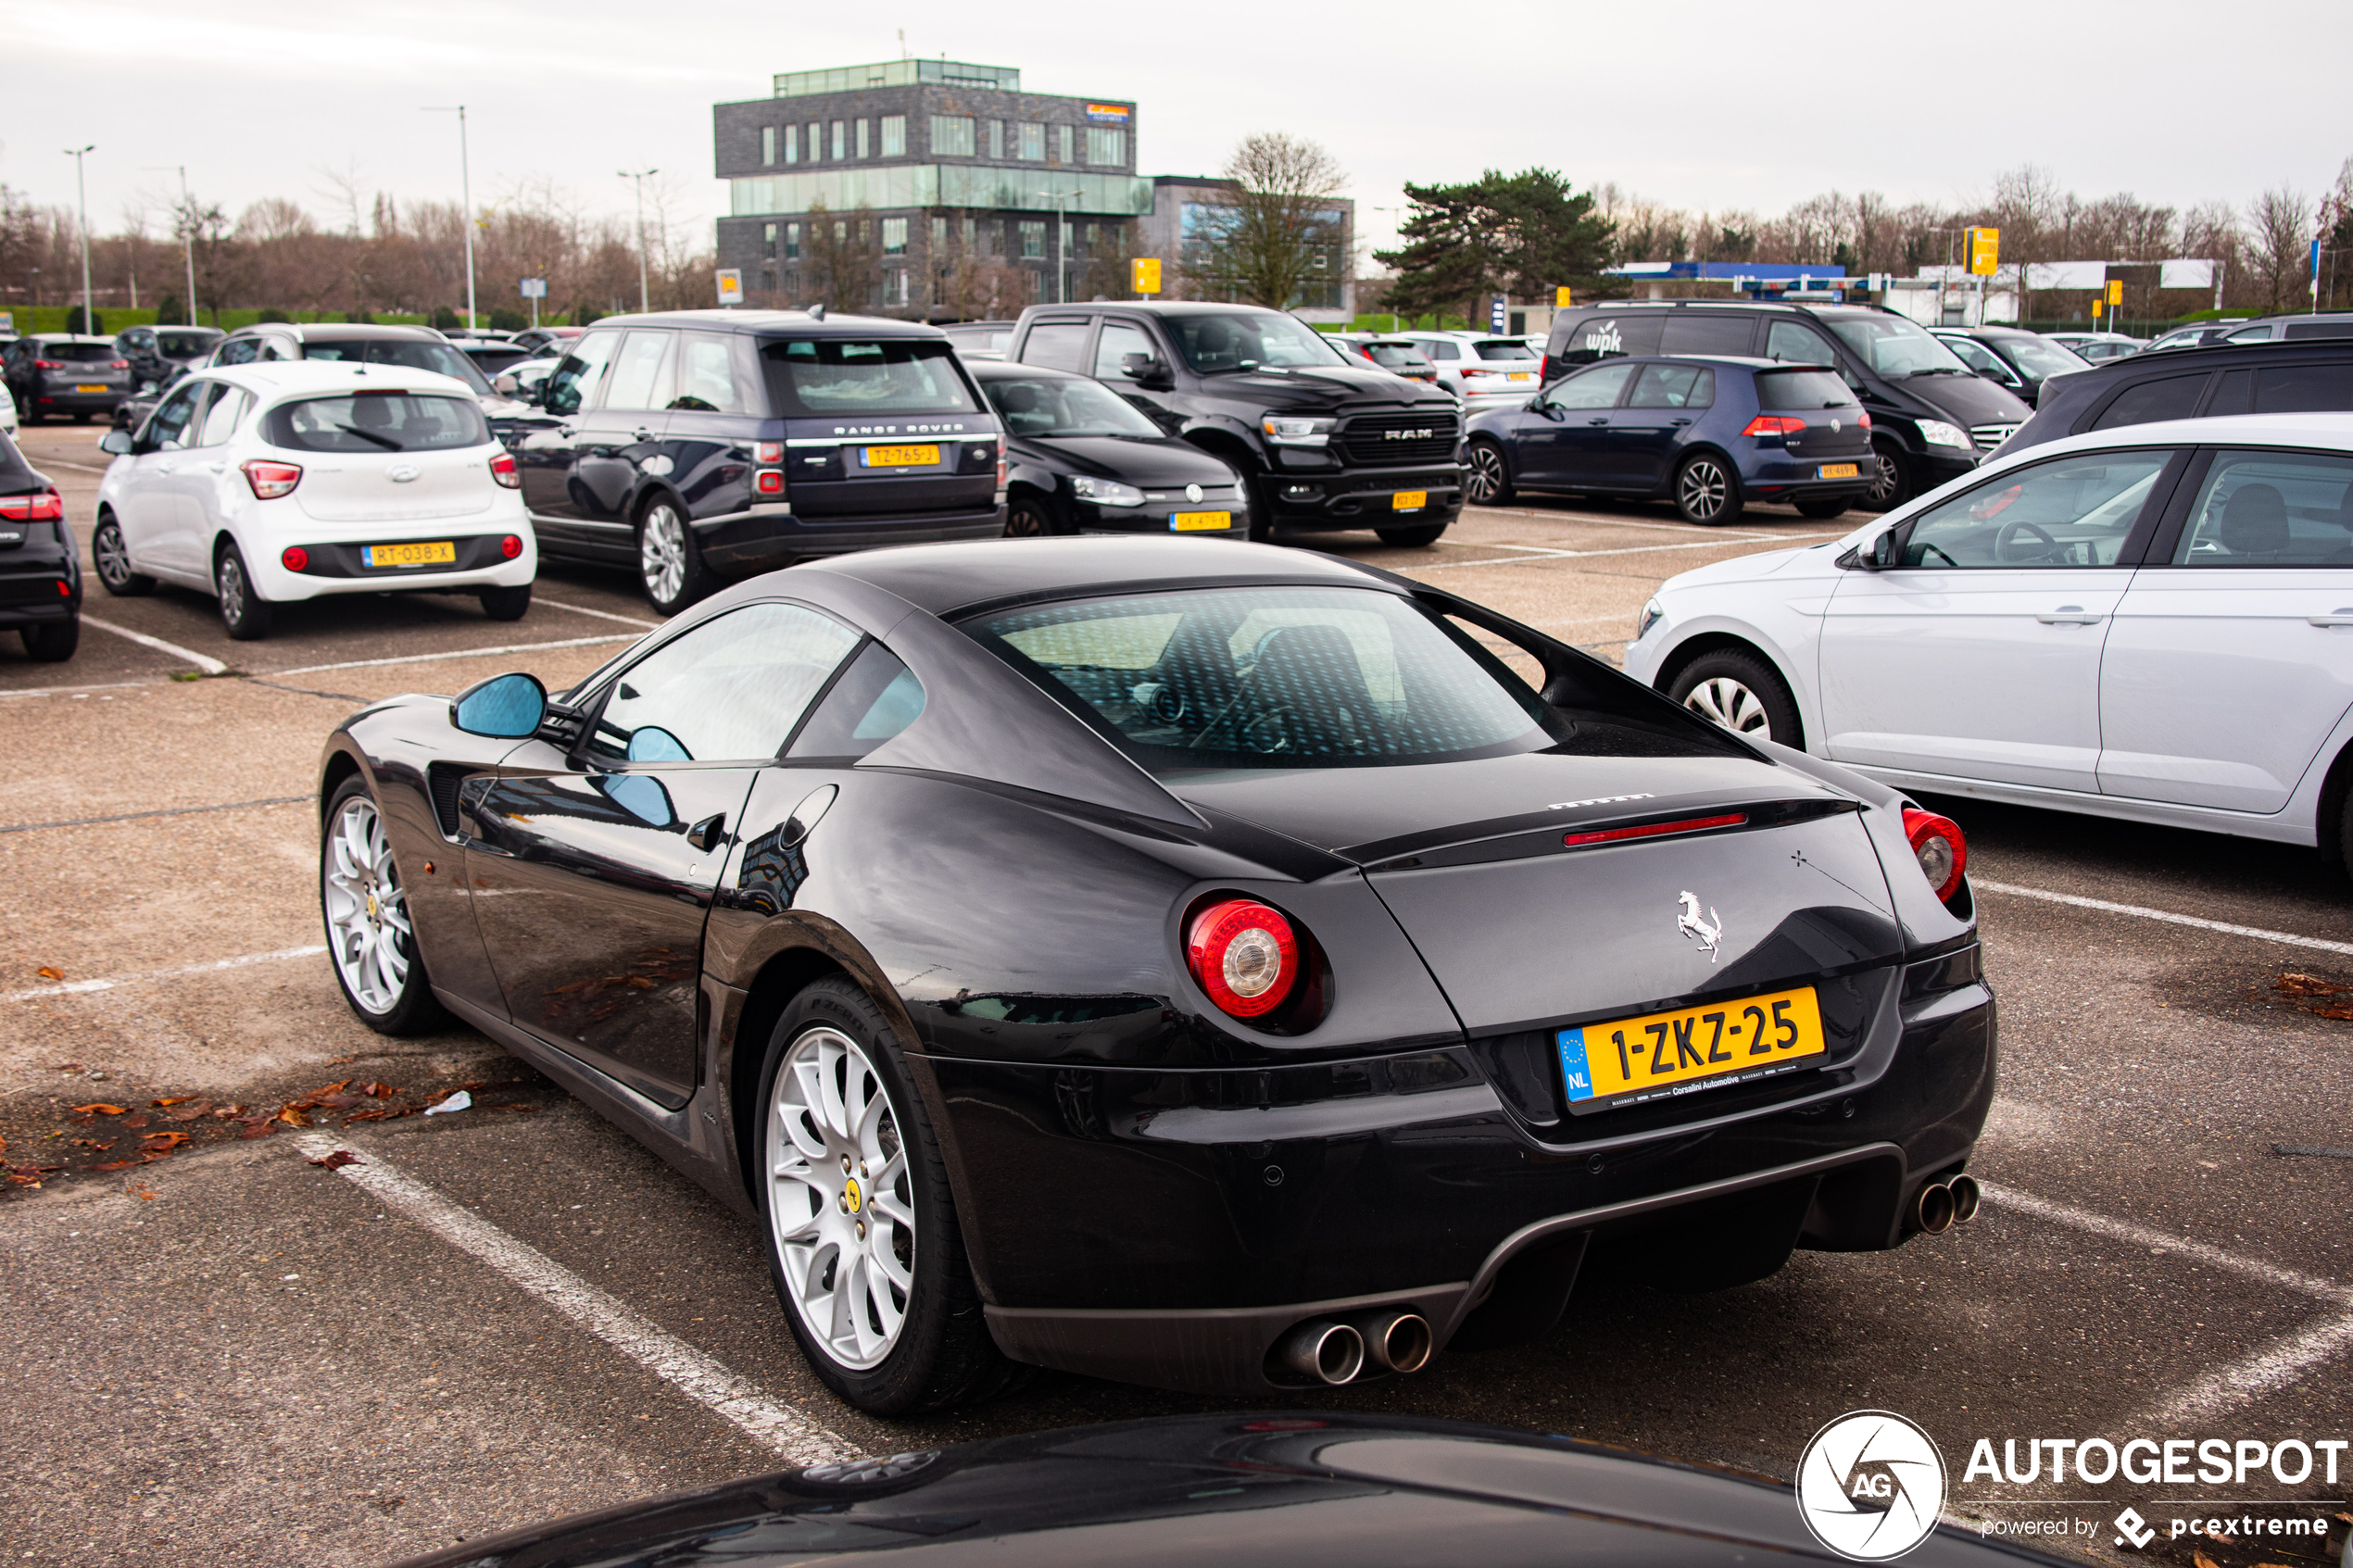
{"x": 272, "y": 479}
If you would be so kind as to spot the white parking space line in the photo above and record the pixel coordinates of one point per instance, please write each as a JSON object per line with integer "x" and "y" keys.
{"x": 600, "y": 614}
{"x": 2168, "y": 916}
{"x": 2158, "y": 1241}
{"x": 774, "y": 1426}
{"x": 78, "y": 691}
{"x": 2283, "y": 1362}
{"x": 82, "y": 987}
{"x": 65, "y": 463}
{"x": 208, "y": 665}
{"x": 453, "y": 653}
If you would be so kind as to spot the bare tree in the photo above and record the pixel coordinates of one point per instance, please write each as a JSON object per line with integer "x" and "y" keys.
{"x": 1280, "y": 214}
{"x": 2279, "y": 228}
{"x": 843, "y": 258}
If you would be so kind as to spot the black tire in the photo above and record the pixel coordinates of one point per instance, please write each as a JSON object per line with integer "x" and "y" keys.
{"x": 1891, "y": 480}
{"x": 505, "y": 604}
{"x": 1030, "y": 517}
{"x": 415, "y": 1010}
{"x": 1420, "y": 536}
{"x": 944, "y": 1354}
{"x": 51, "y": 643}
{"x": 113, "y": 558}
{"x": 242, "y": 609}
{"x": 1706, "y": 490}
{"x": 82, "y": 417}
{"x": 1261, "y": 490}
{"x": 664, "y": 536}
{"x": 1737, "y": 688}
{"x": 1825, "y": 505}
{"x": 1488, "y": 484}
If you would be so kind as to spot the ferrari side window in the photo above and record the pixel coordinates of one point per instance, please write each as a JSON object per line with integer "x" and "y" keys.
{"x": 876, "y": 697}
{"x": 2073, "y": 512}
{"x": 730, "y": 690}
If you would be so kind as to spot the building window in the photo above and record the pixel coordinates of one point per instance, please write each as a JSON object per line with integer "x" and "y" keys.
{"x": 895, "y": 283}
{"x": 951, "y": 136}
{"x": 1033, "y": 142}
{"x": 1062, "y": 134}
{"x": 938, "y": 237}
{"x": 894, "y": 236}
{"x": 894, "y": 135}
{"x": 1033, "y": 239}
{"x": 841, "y": 140}
{"x": 792, "y": 242}
{"x": 996, "y": 139}
{"x": 1106, "y": 146}
{"x": 792, "y": 144}
{"x": 767, "y": 144}
{"x": 768, "y": 239}
{"x": 861, "y": 137}
{"x": 816, "y": 142}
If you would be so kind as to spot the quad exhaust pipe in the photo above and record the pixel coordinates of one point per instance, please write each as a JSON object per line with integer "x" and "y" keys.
{"x": 1941, "y": 1205}
{"x": 1334, "y": 1352}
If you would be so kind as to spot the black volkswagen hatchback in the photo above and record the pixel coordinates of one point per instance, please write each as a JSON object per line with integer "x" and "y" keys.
{"x": 1080, "y": 459}
{"x": 1205, "y": 967}
{"x": 703, "y": 445}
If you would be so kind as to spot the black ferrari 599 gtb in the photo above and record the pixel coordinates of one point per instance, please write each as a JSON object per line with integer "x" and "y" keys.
{"x": 1209, "y": 967}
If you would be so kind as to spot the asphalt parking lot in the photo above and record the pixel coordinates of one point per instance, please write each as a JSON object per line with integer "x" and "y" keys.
{"x": 227, "y": 1354}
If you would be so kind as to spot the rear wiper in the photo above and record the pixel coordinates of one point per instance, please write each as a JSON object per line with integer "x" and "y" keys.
{"x": 386, "y": 442}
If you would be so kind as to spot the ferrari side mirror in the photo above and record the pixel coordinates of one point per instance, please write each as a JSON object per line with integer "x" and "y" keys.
{"x": 503, "y": 707}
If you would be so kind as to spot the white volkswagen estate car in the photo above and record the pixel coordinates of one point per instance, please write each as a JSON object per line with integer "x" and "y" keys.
{"x": 269, "y": 483}
{"x": 2154, "y": 622}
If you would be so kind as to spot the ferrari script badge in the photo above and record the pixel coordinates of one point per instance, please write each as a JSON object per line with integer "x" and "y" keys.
{"x": 1708, "y": 933}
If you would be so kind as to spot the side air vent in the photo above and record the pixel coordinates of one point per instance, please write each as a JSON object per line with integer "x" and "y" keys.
{"x": 443, "y": 779}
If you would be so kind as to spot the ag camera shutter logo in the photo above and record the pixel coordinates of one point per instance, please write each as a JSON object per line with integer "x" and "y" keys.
{"x": 1870, "y": 1485}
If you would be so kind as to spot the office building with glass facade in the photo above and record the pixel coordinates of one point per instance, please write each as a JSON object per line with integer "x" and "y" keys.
{"x": 927, "y": 188}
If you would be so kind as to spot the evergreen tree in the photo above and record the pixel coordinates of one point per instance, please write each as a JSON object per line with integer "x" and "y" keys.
{"x": 1524, "y": 235}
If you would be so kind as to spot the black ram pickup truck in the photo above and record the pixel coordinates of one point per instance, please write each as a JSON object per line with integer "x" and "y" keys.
{"x": 1324, "y": 443}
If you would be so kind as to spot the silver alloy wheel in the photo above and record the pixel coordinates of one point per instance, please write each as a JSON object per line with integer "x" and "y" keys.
{"x": 1486, "y": 479}
{"x": 841, "y": 1205}
{"x": 113, "y": 557}
{"x": 1726, "y": 701}
{"x": 661, "y": 553}
{"x": 1885, "y": 480}
{"x": 367, "y": 911}
{"x": 1701, "y": 490}
{"x": 1025, "y": 521}
{"x": 232, "y": 588}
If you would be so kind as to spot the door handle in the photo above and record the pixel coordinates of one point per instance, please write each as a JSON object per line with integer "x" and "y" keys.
{"x": 216, "y": 468}
{"x": 2069, "y": 615}
{"x": 644, "y": 434}
{"x": 703, "y": 834}
{"x": 564, "y": 430}
{"x": 1603, "y": 420}
{"x": 167, "y": 468}
{"x": 1679, "y": 422}
{"x": 2343, "y": 617}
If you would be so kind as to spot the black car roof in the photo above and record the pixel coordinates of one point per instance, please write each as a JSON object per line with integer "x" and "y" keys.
{"x": 799, "y": 322}
{"x": 947, "y": 578}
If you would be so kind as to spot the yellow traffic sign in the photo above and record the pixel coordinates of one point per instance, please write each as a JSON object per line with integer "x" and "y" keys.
{"x": 1147, "y": 268}
{"x": 2095, "y": 308}
{"x": 731, "y": 286}
{"x": 1984, "y": 250}
{"x": 2116, "y": 290}
{"x": 1560, "y": 297}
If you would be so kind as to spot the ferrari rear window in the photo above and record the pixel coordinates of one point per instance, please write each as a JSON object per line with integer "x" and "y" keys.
{"x": 1260, "y": 678}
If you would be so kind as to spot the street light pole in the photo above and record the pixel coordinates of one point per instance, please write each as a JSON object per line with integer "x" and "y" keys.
{"x": 81, "y": 200}
{"x": 1062, "y": 236}
{"x": 639, "y": 177}
{"x": 466, "y": 196}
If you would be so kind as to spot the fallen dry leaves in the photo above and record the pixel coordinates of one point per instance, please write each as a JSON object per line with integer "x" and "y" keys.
{"x": 2309, "y": 988}
{"x": 50, "y": 972}
{"x": 98, "y": 1108}
{"x": 336, "y": 1161}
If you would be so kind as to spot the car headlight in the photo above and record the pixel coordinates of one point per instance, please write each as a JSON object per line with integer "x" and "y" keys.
{"x": 1652, "y": 614}
{"x": 1105, "y": 492}
{"x": 1936, "y": 432}
{"x": 1292, "y": 431}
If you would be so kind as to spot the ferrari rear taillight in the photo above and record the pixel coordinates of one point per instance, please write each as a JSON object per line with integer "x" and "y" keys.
{"x": 41, "y": 506}
{"x": 1775, "y": 424}
{"x": 270, "y": 480}
{"x": 1938, "y": 845}
{"x": 1245, "y": 954}
{"x": 503, "y": 470}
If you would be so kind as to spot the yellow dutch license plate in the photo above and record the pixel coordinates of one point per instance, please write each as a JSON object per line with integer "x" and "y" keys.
{"x": 100, "y": 386}
{"x": 1837, "y": 471}
{"x": 1520, "y": 375}
{"x": 1628, "y": 1061}
{"x": 1184, "y": 522}
{"x": 1409, "y": 500}
{"x": 439, "y": 553}
{"x": 902, "y": 457}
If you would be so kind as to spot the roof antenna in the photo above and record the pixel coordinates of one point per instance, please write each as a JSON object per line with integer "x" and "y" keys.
{"x": 816, "y": 312}
{"x": 902, "y": 45}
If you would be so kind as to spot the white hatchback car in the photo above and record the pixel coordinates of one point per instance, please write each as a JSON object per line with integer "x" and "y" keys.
{"x": 1485, "y": 371}
{"x": 2153, "y": 622}
{"x": 292, "y": 480}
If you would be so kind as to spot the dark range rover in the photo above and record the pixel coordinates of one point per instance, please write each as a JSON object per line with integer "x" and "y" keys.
{"x": 1932, "y": 417}
{"x": 1324, "y": 442}
{"x": 701, "y": 446}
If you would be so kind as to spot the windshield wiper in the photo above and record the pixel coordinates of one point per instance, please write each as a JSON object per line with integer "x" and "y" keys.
{"x": 386, "y": 442}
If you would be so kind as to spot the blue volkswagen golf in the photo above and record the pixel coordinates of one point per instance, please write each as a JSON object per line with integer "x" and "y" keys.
{"x": 1710, "y": 434}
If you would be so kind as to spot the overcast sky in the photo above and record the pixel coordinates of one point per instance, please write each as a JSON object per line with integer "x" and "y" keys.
{"x": 1697, "y": 104}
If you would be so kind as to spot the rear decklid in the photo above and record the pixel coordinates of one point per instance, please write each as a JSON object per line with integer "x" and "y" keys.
{"x": 387, "y": 454}
{"x": 1834, "y": 423}
{"x": 1776, "y": 888}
